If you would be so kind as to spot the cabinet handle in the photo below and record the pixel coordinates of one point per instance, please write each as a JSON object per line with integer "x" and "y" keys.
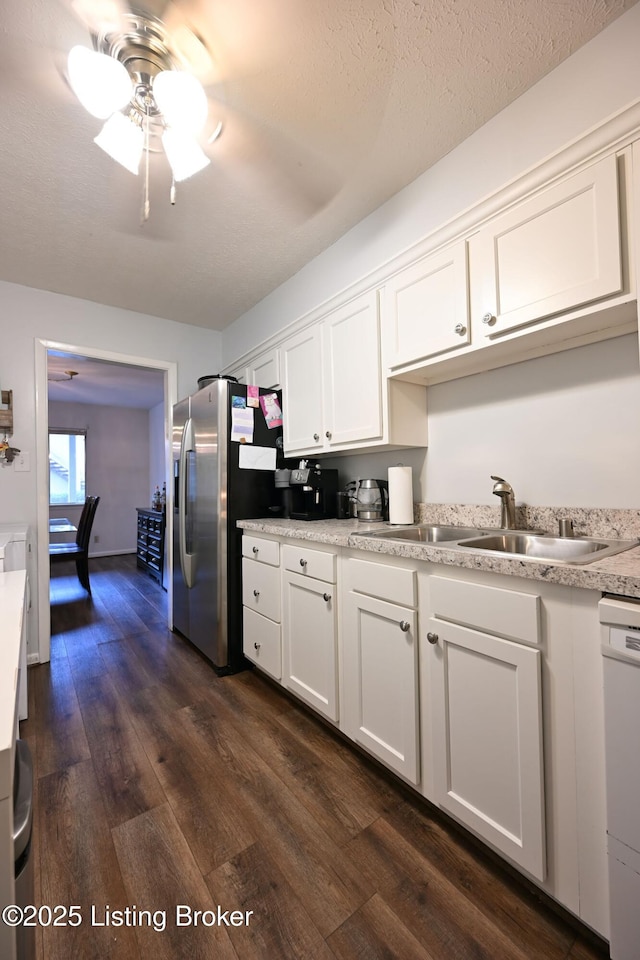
{"x": 316, "y": 437}
{"x": 432, "y": 637}
{"x": 460, "y": 329}
{"x": 326, "y": 597}
{"x": 405, "y": 625}
{"x": 328, "y": 434}
{"x": 256, "y": 645}
{"x": 256, "y": 593}
{"x": 255, "y": 549}
{"x": 303, "y": 563}
{"x": 489, "y": 319}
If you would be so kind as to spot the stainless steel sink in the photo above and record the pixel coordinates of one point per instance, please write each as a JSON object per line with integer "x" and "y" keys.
{"x": 425, "y": 533}
{"x": 555, "y": 549}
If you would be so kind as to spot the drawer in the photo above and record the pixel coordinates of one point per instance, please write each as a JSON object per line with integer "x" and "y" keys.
{"x": 265, "y": 551}
{"x": 261, "y": 588}
{"x": 382, "y": 580}
{"x": 261, "y": 643}
{"x": 505, "y": 613}
{"x": 309, "y": 563}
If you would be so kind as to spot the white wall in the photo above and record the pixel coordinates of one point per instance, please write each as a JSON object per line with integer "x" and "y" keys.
{"x": 117, "y": 451}
{"x": 556, "y": 426}
{"x": 564, "y": 430}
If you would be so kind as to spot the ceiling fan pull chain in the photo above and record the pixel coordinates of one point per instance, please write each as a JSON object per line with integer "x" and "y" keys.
{"x": 146, "y": 205}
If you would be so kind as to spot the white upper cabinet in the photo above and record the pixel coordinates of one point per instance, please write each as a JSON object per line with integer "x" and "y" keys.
{"x": 426, "y": 307}
{"x": 302, "y": 391}
{"x": 332, "y": 380}
{"x": 553, "y": 253}
{"x": 264, "y": 370}
{"x": 351, "y": 365}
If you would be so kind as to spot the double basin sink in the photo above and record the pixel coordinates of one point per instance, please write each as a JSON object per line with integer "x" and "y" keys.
{"x": 525, "y": 545}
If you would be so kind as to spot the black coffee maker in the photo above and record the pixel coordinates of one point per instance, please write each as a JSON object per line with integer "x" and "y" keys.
{"x": 313, "y": 492}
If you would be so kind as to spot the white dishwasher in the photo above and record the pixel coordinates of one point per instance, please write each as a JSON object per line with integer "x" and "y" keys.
{"x": 620, "y": 619}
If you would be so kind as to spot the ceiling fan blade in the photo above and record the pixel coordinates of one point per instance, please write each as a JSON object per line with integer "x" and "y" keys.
{"x": 98, "y": 15}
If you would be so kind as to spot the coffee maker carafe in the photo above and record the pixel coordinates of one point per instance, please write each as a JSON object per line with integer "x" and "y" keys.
{"x": 313, "y": 492}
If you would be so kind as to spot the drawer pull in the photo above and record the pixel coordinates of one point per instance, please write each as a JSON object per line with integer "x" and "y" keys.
{"x": 255, "y": 549}
{"x": 316, "y": 437}
{"x": 303, "y": 564}
{"x": 256, "y": 593}
{"x": 432, "y": 637}
{"x": 460, "y": 329}
{"x": 256, "y": 645}
{"x": 328, "y": 434}
{"x": 405, "y": 625}
{"x": 489, "y": 319}
{"x": 326, "y": 597}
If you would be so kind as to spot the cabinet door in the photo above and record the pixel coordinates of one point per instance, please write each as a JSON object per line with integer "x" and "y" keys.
{"x": 302, "y": 391}
{"x": 551, "y": 254}
{"x": 310, "y": 641}
{"x": 487, "y": 739}
{"x": 426, "y": 307}
{"x": 381, "y": 681}
{"x": 264, "y": 371}
{"x": 352, "y": 376}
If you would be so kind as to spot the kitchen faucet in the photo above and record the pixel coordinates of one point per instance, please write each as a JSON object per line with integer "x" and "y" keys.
{"x": 504, "y": 490}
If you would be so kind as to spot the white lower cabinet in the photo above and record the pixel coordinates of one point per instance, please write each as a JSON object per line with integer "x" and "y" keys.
{"x": 380, "y": 663}
{"x": 487, "y": 739}
{"x": 261, "y": 640}
{"x": 482, "y": 691}
{"x": 310, "y": 628}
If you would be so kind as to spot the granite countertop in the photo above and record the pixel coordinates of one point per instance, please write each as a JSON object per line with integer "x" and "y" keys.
{"x": 618, "y": 574}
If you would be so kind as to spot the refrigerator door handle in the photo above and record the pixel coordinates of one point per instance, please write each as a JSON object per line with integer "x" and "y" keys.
{"x": 187, "y": 560}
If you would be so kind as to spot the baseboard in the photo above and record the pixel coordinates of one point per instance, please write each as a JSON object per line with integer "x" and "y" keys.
{"x": 111, "y": 553}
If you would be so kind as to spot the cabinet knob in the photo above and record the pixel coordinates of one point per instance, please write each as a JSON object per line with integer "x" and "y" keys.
{"x": 256, "y": 645}
{"x": 432, "y": 637}
{"x": 255, "y": 549}
{"x": 328, "y": 434}
{"x": 489, "y": 319}
{"x": 256, "y": 593}
{"x": 460, "y": 329}
{"x": 303, "y": 563}
{"x": 326, "y": 597}
{"x": 405, "y": 625}
{"x": 316, "y": 437}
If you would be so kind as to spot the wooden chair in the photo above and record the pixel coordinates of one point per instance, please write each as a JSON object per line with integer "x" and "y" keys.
{"x": 78, "y": 551}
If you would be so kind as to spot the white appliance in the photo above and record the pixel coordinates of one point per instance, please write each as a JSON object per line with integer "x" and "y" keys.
{"x": 14, "y": 555}
{"x": 620, "y": 617}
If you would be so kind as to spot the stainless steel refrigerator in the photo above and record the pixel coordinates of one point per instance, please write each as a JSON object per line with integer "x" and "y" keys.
{"x": 216, "y": 483}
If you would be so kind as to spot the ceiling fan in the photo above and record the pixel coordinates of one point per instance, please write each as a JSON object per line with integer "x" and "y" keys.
{"x": 139, "y": 76}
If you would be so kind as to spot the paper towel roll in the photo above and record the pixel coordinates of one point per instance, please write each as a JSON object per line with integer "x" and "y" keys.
{"x": 400, "y": 495}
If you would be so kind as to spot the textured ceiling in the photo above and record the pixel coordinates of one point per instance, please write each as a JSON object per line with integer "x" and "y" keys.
{"x": 329, "y": 108}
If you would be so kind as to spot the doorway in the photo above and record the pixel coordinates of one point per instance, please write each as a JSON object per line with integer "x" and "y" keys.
{"x": 101, "y": 379}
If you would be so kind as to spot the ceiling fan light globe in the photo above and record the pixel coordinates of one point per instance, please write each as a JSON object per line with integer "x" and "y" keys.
{"x": 101, "y": 83}
{"x": 122, "y": 140}
{"x": 181, "y": 99}
{"x": 184, "y": 154}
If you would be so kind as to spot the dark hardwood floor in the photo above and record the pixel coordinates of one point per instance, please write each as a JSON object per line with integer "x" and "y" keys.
{"x": 160, "y": 784}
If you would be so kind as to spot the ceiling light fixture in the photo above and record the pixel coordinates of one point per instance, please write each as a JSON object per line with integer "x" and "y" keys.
{"x": 62, "y": 377}
{"x": 135, "y": 82}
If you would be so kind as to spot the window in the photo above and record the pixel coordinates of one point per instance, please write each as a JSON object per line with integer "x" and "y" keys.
{"x": 67, "y": 466}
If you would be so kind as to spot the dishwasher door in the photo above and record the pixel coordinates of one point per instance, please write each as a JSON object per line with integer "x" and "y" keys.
{"x": 22, "y": 831}
{"x": 621, "y": 651}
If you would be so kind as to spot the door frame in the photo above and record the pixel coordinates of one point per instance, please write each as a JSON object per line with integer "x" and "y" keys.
{"x": 170, "y": 371}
